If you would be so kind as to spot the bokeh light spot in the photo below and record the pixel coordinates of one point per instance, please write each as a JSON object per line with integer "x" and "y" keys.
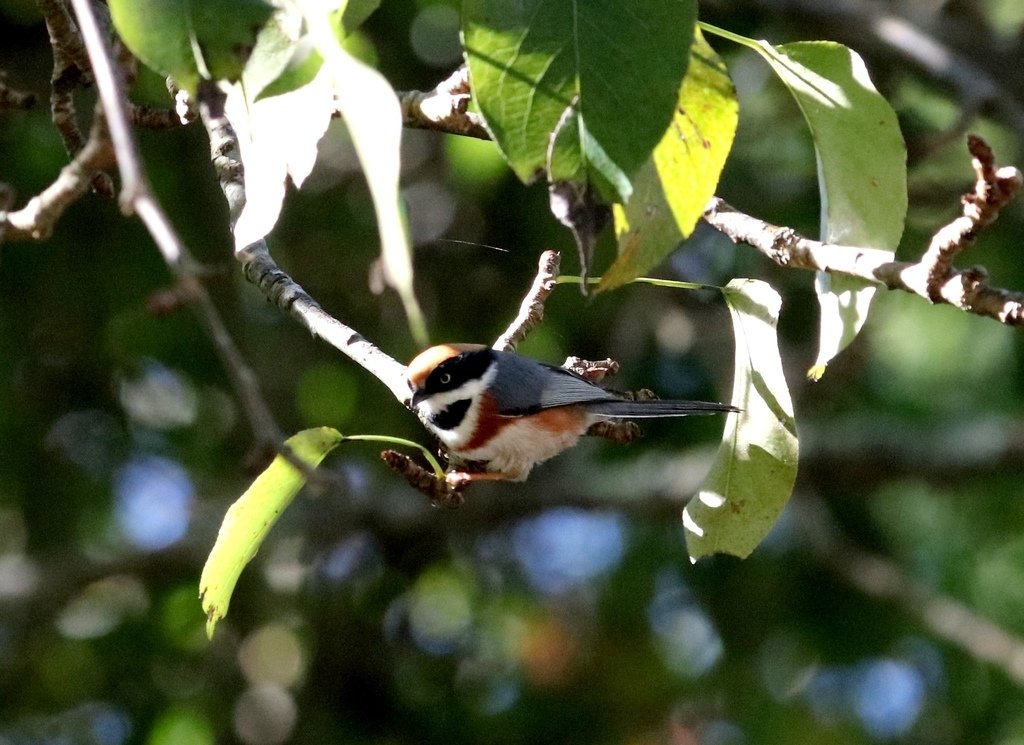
{"x": 888, "y": 696}
{"x": 272, "y": 654}
{"x": 153, "y": 500}
{"x": 434, "y": 35}
{"x": 563, "y": 548}
{"x": 440, "y": 611}
{"x": 265, "y": 715}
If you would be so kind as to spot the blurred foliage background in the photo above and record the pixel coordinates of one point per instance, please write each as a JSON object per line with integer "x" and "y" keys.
{"x": 887, "y": 605}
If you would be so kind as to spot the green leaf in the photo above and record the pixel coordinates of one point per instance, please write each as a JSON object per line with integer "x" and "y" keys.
{"x": 672, "y": 189}
{"x": 191, "y": 39}
{"x": 303, "y": 60}
{"x": 374, "y": 118}
{"x": 862, "y": 172}
{"x": 277, "y": 135}
{"x": 251, "y": 516}
{"x": 753, "y": 474}
{"x": 614, "y": 66}
{"x": 356, "y": 12}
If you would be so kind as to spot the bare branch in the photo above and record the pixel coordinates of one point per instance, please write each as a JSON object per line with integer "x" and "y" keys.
{"x": 70, "y": 70}
{"x": 36, "y": 219}
{"x": 440, "y": 491}
{"x": 933, "y": 277}
{"x": 531, "y": 311}
{"x": 444, "y": 109}
{"x": 12, "y": 98}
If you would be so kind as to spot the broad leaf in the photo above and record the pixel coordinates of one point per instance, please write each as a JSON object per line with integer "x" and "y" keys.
{"x": 278, "y": 138}
{"x": 862, "y": 172}
{"x": 672, "y": 189}
{"x": 373, "y": 115}
{"x": 191, "y": 39}
{"x": 250, "y": 518}
{"x": 753, "y": 474}
{"x": 615, "y": 67}
{"x": 304, "y": 60}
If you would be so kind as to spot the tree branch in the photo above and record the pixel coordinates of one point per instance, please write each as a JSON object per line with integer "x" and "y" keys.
{"x": 136, "y": 196}
{"x": 70, "y": 70}
{"x": 444, "y": 109}
{"x": 531, "y": 311}
{"x": 36, "y": 219}
{"x": 933, "y": 277}
{"x": 261, "y": 269}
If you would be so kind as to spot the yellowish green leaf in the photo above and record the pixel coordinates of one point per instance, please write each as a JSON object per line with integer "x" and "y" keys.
{"x": 671, "y": 190}
{"x": 250, "y": 518}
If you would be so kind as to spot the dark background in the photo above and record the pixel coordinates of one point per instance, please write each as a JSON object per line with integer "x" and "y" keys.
{"x": 886, "y": 606}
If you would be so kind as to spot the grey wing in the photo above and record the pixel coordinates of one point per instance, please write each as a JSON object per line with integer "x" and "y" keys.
{"x": 523, "y": 385}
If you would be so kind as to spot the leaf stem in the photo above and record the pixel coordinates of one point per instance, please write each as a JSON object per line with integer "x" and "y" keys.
{"x": 745, "y": 41}
{"x": 564, "y": 279}
{"x": 438, "y": 471}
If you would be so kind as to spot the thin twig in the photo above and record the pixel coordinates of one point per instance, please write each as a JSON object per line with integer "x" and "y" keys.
{"x": 444, "y": 109}
{"x": 531, "y": 311}
{"x": 12, "y": 98}
{"x": 70, "y": 70}
{"x": 440, "y": 491}
{"x": 37, "y": 218}
{"x": 933, "y": 277}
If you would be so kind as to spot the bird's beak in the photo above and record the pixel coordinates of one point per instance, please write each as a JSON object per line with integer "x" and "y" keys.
{"x": 418, "y": 394}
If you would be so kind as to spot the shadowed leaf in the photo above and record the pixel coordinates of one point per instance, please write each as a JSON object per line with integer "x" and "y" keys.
{"x": 753, "y": 474}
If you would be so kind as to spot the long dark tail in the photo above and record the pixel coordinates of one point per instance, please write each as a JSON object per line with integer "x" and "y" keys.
{"x": 644, "y": 409}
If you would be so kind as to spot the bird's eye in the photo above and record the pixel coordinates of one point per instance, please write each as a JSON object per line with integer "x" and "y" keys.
{"x": 444, "y": 379}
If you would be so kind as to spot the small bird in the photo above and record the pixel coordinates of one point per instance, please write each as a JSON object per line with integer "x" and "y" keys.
{"x": 508, "y": 413}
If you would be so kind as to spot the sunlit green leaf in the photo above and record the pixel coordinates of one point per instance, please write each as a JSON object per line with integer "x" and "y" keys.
{"x": 278, "y": 137}
{"x": 672, "y": 188}
{"x": 616, "y": 67}
{"x": 188, "y": 39}
{"x": 753, "y": 474}
{"x": 250, "y": 518}
{"x": 374, "y": 118}
{"x": 862, "y": 172}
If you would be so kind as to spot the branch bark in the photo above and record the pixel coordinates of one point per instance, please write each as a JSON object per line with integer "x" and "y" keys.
{"x": 444, "y": 109}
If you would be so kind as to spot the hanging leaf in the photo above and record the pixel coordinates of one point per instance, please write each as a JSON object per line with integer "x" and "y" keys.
{"x": 250, "y": 518}
{"x": 862, "y": 172}
{"x": 373, "y": 115}
{"x": 355, "y": 12}
{"x": 614, "y": 66}
{"x": 862, "y": 169}
{"x": 278, "y": 135}
{"x": 189, "y": 40}
{"x": 673, "y": 187}
{"x": 755, "y": 469}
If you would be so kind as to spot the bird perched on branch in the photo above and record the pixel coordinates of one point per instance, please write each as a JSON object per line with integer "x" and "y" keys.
{"x": 507, "y": 413}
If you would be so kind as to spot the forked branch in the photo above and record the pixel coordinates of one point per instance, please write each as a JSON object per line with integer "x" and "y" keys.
{"x": 933, "y": 276}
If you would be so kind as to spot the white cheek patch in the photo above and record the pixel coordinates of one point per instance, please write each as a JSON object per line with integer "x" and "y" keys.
{"x": 462, "y": 433}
